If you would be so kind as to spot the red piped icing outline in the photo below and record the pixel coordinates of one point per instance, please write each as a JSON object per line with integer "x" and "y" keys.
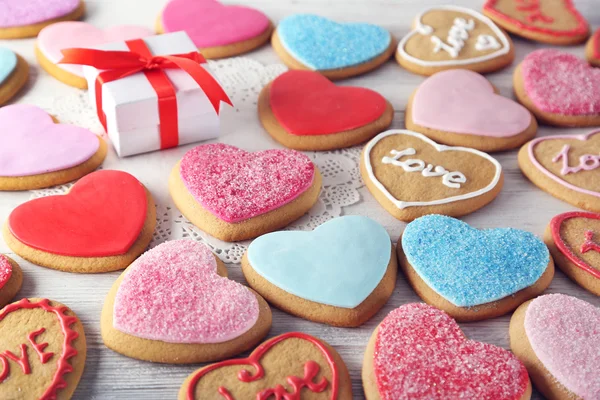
{"x": 555, "y": 225}
{"x": 581, "y": 29}
{"x": 310, "y": 371}
{"x": 4, "y": 258}
{"x": 63, "y": 367}
{"x": 596, "y": 44}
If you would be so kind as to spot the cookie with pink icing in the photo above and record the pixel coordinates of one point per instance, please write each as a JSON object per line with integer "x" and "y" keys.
{"x": 20, "y": 19}
{"x": 460, "y": 107}
{"x": 566, "y": 166}
{"x": 11, "y": 279}
{"x": 559, "y": 88}
{"x": 557, "y": 337}
{"x": 176, "y": 305}
{"x": 236, "y": 195}
{"x": 37, "y": 152}
{"x": 64, "y": 35}
{"x": 218, "y": 30}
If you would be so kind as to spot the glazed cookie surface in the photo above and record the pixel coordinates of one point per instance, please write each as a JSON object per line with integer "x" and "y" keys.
{"x": 303, "y": 110}
{"x": 419, "y": 352}
{"x": 306, "y": 41}
{"x": 566, "y": 166}
{"x": 449, "y": 37}
{"x": 491, "y": 122}
{"x": 289, "y": 366}
{"x": 411, "y": 175}
{"x": 43, "y": 350}
{"x": 547, "y": 21}
{"x": 340, "y": 274}
{"x": 20, "y": 19}
{"x": 557, "y": 338}
{"x": 217, "y": 30}
{"x": 592, "y": 49}
{"x": 14, "y": 73}
{"x": 102, "y": 224}
{"x": 11, "y": 279}
{"x": 473, "y": 274}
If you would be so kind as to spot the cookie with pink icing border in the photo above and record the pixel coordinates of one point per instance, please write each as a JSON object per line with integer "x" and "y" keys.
{"x": 236, "y": 195}
{"x": 176, "y": 305}
{"x": 459, "y": 107}
{"x": 20, "y": 19}
{"x": 566, "y": 166}
{"x": 11, "y": 279}
{"x": 557, "y": 337}
{"x": 559, "y": 88}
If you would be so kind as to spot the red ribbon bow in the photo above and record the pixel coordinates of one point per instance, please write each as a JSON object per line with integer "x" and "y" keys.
{"x": 120, "y": 64}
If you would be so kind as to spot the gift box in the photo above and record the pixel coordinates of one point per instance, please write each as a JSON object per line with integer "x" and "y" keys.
{"x": 152, "y": 93}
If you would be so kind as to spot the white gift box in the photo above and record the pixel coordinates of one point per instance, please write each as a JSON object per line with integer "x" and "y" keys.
{"x": 131, "y": 103}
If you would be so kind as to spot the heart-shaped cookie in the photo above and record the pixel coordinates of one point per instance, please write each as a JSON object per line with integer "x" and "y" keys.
{"x": 26, "y": 18}
{"x": 306, "y": 41}
{"x": 14, "y": 72}
{"x": 557, "y": 337}
{"x": 8, "y": 63}
{"x": 411, "y": 175}
{"x": 42, "y": 350}
{"x": 419, "y": 352}
{"x": 11, "y": 279}
{"x": 491, "y": 123}
{"x": 234, "y": 195}
{"x": 285, "y": 367}
{"x": 447, "y": 37}
{"x": 592, "y": 49}
{"x": 176, "y": 300}
{"x": 328, "y": 275}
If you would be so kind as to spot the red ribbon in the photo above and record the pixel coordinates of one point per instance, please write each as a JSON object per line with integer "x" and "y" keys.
{"x": 120, "y": 64}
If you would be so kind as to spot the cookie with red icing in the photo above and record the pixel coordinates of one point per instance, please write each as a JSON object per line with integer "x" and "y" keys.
{"x": 11, "y": 279}
{"x": 20, "y": 19}
{"x": 102, "y": 224}
{"x": 175, "y": 305}
{"x": 235, "y": 195}
{"x": 557, "y": 337}
{"x": 559, "y": 88}
{"x": 303, "y": 110}
{"x": 592, "y": 49}
{"x": 419, "y": 352}
{"x": 291, "y": 366}
{"x": 547, "y": 21}
{"x": 42, "y": 350}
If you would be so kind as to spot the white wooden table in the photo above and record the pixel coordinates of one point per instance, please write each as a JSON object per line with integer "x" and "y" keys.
{"x": 520, "y": 205}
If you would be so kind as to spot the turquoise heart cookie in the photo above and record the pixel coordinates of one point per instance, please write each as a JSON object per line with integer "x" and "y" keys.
{"x": 8, "y": 63}
{"x": 322, "y": 44}
{"x": 339, "y": 264}
{"x": 468, "y": 266}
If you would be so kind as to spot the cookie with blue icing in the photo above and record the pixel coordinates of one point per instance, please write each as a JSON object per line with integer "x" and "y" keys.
{"x": 473, "y": 274}
{"x": 336, "y": 50}
{"x": 14, "y": 72}
{"x": 340, "y": 274}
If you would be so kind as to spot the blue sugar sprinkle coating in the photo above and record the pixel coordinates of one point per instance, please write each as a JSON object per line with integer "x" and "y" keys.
{"x": 322, "y": 44}
{"x": 469, "y": 267}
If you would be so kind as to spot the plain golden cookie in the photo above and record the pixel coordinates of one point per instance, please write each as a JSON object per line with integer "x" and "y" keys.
{"x": 11, "y": 279}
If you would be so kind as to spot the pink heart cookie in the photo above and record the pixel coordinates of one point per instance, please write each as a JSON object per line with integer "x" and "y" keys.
{"x": 14, "y": 13}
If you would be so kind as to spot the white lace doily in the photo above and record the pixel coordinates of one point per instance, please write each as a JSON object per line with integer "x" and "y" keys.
{"x": 243, "y": 79}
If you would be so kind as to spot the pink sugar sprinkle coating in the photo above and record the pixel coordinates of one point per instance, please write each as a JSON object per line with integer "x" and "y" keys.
{"x": 236, "y": 185}
{"x": 172, "y": 293}
{"x": 28, "y": 12}
{"x": 561, "y": 83}
{"x": 564, "y": 333}
{"x": 421, "y": 353}
{"x": 5, "y": 271}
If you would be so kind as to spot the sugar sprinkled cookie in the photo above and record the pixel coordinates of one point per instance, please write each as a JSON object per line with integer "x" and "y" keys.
{"x": 175, "y": 305}
{"x": 36, "y": 152}
{"x": 461, "y": 108}
{"x": 473, "y": 274}
{"x": 411, "y": 175}
{"x": 102, "y": 224}
{"x": 20, "y": 19}
{"x": 11, "y": 279}
{"x": 574, "y": 241}
{"x": 557, "y": 337}
{"x": 592, "y": 49}
{"x": 42, "y": 350}
{"x": 303, "y": 110}
{"x": 218, "y": 30}
{"x": 419, "y": 352}
{"x": 547, "y": 21}
{"x": 449, "y": 37}
{"x": 566, "y": 166}
{"x": 306, "y": 41}
{"x": 14, "y": 72}
{"x": 236, "y": 195}
{"x": 72, "y": 34}
{"x": 559, "y": 88}
{"x": 340, "y": 274}
{"x": 289, "y": 366}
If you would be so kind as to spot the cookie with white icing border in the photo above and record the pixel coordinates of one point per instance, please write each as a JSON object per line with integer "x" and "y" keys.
{"x": 592, "y": 49}
{"x": 14, "y": 73}
{"x": 11, "y": 279}
{"x": 22, "y": 19}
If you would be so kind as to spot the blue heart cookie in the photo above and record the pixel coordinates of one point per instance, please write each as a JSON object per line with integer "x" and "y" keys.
{"x": 338, "y": 264}
{"x": 468, "y": 266}
{"x": 323, "y": 44}
{"x": 8, "y": 63}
